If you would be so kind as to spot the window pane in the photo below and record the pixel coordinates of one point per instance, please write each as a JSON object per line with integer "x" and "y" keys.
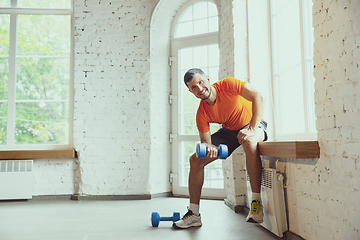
{"x": 213, "y": 175}
{"x": 42, "y": 122}
{"x": 43, "y": 78}
{"x": 287, "y": 67}
{"x": 43, "y": 35}
{"x": 186, "y": 59}
{"x": 4, "y": 76}
{"x": 199, "y": 18}
{"x": 189, "y": 105}
{"x": 187, "y": 15}
{"x": 286, "y": 26}
{"x": 213, "y": 24}
{"x": 4, "y": 55}
{"x": 213, "y": 73}
{"x": 186, "y": 150}
{"x": 213, "y": 55}
{"x": 200, "y": 10}
{"x": 44, "y": 3}
{"x": 290, "y": 104}
{"x": 3, "y": 122}
{"x": 200, "y": 57}
{"x": 309, "y": 66}
{"x": 4, "y": 33}
{"x": 212, "y": 10}
{"x": 189, "y": 123}
{"x": 201, "y": 26}
{"x": 185, "y": 29}
{"x": 5, "y": 3}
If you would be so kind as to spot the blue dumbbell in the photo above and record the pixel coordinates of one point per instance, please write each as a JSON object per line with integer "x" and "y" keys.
{"x": 201, "y": 151}
{"x": 155, "y": 218}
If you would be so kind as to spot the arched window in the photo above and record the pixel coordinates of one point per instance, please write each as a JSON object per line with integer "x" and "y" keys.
{"x": 198, "y": 18}
{"x": 194, "y": 43}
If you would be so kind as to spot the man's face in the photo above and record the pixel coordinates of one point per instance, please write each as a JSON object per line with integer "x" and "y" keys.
{"x": 200, "y": 86}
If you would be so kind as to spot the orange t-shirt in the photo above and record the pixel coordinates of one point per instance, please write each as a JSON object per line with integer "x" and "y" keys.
{"x": 230, "y": 109}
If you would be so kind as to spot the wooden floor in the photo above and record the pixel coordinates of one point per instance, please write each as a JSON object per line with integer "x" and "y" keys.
{"x": 106, "y": 220}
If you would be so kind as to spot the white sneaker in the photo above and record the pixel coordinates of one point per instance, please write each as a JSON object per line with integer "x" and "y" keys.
{"x": 256, "y": 212}
{"x": 188, "y": 220}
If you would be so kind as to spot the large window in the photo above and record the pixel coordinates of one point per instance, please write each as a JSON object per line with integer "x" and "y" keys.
{"x": 35, "y": 74}
{"x": 292, "y": 35}
{"x": 194, "y": 44}
{"x": 281, "y": 49}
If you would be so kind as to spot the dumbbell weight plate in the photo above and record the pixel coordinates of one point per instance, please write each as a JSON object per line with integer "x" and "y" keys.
{"x": 200, "y": 150}
{"x": 223, "y": 151}
{"x": 155, "y": 219}
{"x": 176, "y": 216}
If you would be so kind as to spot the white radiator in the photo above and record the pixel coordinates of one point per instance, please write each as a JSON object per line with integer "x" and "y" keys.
{"x": 272, "y": 196}
{"x": 16, "y": 179}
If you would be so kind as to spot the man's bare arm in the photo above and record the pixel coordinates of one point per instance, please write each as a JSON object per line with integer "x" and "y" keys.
{"x": 252, "y": 95}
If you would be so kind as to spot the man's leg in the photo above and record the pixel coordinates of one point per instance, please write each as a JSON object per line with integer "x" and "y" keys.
{"x": 253, "y": 166}
{"x": 196, "y": 174}
{"x": 254, "y": 169}
{"x": 196, "y": 180}
{"x": 196, "y": 177}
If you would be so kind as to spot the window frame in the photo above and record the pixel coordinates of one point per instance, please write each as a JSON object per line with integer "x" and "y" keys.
{"x": 14, "y": 11}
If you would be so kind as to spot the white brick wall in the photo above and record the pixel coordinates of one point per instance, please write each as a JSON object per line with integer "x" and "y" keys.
{"x": 226, "y": 40}
{"x": 240, "y": 39}
{"x": 112, "y": 127}
{"x": 53, "y": 177}
{"x": 323, "y": 199}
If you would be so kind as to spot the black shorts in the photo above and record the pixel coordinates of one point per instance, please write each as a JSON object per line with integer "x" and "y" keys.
{"x": 229, "y": 137}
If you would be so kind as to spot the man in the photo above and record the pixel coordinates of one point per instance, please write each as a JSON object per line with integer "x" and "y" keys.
{"x": 238, "y": 107}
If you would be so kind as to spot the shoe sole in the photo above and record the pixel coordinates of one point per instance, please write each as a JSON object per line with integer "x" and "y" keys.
{"x": 250, "y": 220}
{"x": 177, "y": 227}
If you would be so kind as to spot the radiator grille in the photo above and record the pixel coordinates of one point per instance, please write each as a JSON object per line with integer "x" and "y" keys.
{"x": 16, "y": 166}
{"x": 266, "y": 178}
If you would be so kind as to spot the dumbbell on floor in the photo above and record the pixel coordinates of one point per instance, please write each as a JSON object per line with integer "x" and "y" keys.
{"x": 155, "y": 218}
{"x": 201, "y": 151}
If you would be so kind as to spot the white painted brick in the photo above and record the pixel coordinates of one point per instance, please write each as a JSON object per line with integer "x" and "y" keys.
{"x": 325, "y": 122}
{"x": 53, "y": 177}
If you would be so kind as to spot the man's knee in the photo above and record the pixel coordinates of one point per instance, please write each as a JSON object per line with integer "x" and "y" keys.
{"x": 194, "y": 161}
{"x": 253, "y": 141}
{"x": 250, "y": 144}
{"x": 197, "y": 163}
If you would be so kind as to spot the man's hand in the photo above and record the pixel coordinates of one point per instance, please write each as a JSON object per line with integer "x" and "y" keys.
{"x": 211, "y": 151}
{"x": 244, "y": 134}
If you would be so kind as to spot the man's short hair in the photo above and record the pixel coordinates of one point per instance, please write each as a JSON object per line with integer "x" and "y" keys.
{"x": 190, "y": 74}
